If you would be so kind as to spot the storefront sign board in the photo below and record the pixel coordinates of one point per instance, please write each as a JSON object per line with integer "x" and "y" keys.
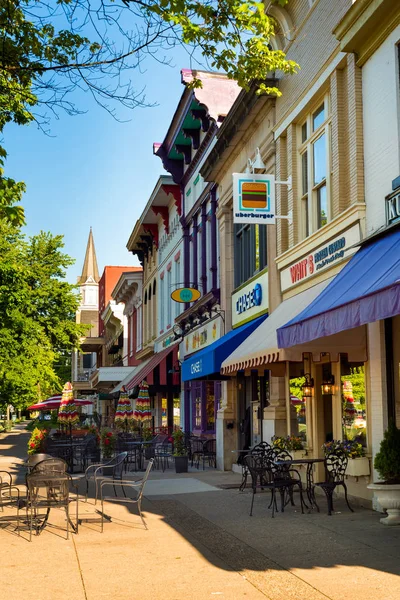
{"x": 253, "y": 199}
{"x": 393, "y": 207}
{"x": 202, "y": 336}
{"x": 250, "y": 301}
{"x": 322, "y": 258}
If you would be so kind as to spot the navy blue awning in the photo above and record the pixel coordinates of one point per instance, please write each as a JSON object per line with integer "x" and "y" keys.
{"x": 209, "y": 360}
{"x": 366, "y": 290}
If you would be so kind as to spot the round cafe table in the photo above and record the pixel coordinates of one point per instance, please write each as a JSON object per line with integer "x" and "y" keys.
{"x": 309, "y": 462}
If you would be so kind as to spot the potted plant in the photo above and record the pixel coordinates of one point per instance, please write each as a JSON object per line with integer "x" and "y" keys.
{"x": 387, "y": 463}
{"x": 180, "y": 452}
{"x": 108, "y": 442}
{"x": 292, "y": 443}
{"x": 149, "y": 449}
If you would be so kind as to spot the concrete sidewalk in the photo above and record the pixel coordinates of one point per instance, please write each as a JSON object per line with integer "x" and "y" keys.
{"x": 200, "y": 544}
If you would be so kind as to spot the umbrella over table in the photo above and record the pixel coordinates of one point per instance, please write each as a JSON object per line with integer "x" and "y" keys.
{"x": 54, "y": 402}
{"x": 68, "y": 412}
{"x": 124, "y": 412}
{"x": 143, "y": 409}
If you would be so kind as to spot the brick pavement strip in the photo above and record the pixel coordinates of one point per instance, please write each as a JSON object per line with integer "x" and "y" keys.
{"x": 273, "y": 580}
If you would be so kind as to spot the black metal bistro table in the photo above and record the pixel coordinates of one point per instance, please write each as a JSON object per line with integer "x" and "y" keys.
{"x": 137, "y": 447}
{"x": 309, "y": 462}
{"x": 53, "y": 494}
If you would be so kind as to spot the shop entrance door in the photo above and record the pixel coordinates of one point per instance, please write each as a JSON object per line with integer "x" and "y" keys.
{"x": 255, "y": 423}
{"x": 324, "y": 406}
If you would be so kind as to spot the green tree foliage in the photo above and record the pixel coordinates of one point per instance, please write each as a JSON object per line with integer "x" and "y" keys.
{"x": 49, "y": 49}
{"x": 357, "y": 379}
{"x": 37, "y": 315}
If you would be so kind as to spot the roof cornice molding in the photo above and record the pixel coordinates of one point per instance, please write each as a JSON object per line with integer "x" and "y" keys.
{"x": 365, "y": 27}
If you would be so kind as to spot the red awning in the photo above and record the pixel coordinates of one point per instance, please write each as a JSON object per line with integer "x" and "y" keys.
{"x": 147, "y": 371}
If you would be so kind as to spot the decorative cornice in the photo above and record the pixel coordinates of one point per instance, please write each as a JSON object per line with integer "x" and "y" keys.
{"x": 194, "y": 135}
{"x": 163, "y": 212}
{"x": 365, "y": 27}
{"x": 175, "y": 191}
{"x": 186, "y": 151}
{"x": 153, "y": 230}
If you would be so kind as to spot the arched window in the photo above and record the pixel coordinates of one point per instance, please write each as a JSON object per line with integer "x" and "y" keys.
{"x": 284, "y": 31}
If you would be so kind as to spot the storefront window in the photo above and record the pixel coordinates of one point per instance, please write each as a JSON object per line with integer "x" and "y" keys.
{"x": 250, "y": 251}
{"x": 177, "y": 411}
{"x": 354, "y": 416}
{"x": 197, "y": 406}
{"x": 298, "y": 404}
{"x": 164, "y": 412}
{"x": 210, "y": 406}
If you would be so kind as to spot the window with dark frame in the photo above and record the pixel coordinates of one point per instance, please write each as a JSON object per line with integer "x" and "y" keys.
{"x": 250, "y": 250}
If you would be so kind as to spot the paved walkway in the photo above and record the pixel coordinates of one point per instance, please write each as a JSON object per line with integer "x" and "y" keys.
{"x": 200, "y": 544}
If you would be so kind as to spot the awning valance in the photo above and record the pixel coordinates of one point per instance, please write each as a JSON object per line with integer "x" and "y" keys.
{"x": 145, "y": 371}
{"x": 261, "y": 347}
{"x": 366, "y": 290}
{"x": 208, "y": 361}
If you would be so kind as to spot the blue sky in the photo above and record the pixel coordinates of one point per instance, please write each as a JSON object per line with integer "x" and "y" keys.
{"x": 95, "y": 171}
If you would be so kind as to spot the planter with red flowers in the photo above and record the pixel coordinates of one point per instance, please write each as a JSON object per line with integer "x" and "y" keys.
{"x": 37, "y": 441}
{"x": 108, "y": 443}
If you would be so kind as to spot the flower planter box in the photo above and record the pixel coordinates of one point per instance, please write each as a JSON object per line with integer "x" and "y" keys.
{"x": 357, "y": 467}
{"x": 181, "y": 464}
{"x": 298, "y": 454}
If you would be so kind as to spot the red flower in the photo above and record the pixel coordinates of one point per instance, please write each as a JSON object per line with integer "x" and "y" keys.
{"x": 106, "y": 441}
{"x": 109, "y": 434}
{"x": 32, "y": 444}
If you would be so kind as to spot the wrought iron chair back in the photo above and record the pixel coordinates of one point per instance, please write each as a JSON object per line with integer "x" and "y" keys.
{"x": 335, "y": 466}
{"x": 335, "y": 469}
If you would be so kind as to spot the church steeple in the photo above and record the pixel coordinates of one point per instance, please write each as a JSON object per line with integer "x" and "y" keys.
{"x": 90, "y": 269}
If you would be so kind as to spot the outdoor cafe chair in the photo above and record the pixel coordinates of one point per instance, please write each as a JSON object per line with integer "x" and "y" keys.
{"x": 48, "y": 485}
{"x": 112, "y": 469}
{"x": 265, "y": 475}
{"x": 90, "y": 452}
{"x": 196, "y": 450}
{"x": 335, "y": 468}
{"x": 162, "y": 454}
{"x": 9, "y": 494}
{"x": 136, "y": 486}
{"x": 208, "y": 453}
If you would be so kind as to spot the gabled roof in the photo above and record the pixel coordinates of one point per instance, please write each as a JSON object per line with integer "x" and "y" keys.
{"x": 197, "y": 110}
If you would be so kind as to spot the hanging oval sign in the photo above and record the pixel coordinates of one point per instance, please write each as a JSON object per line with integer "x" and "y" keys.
{"x": 185, "y": 295}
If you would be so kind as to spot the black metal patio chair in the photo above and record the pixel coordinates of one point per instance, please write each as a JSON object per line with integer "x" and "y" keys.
{"x": 266, "y": 475}
{"x": 162, "y": 454}
{"x": 111, "y": 469}
{"x": 335, "y": 468}
{"x": 136, "y": 486}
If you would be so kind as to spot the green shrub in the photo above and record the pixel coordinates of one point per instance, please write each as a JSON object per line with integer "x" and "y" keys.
{"x": 387, "y": 460}
{"x": 179, "y": 443}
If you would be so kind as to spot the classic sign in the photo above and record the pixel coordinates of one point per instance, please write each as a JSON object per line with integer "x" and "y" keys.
{"x": 185, "y": 295}
{"x": 253, "y": 199}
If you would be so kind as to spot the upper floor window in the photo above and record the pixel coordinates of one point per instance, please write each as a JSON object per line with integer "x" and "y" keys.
{"x": 315, "y": 170}
{"x": 250, "y": 246}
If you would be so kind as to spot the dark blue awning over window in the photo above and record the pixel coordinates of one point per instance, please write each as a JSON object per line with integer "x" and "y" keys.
{"x": 209, "y": 360}
{"x": 366, "y": 290}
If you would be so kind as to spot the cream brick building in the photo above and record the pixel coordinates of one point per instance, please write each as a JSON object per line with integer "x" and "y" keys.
{"x": 334, "y": 131}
